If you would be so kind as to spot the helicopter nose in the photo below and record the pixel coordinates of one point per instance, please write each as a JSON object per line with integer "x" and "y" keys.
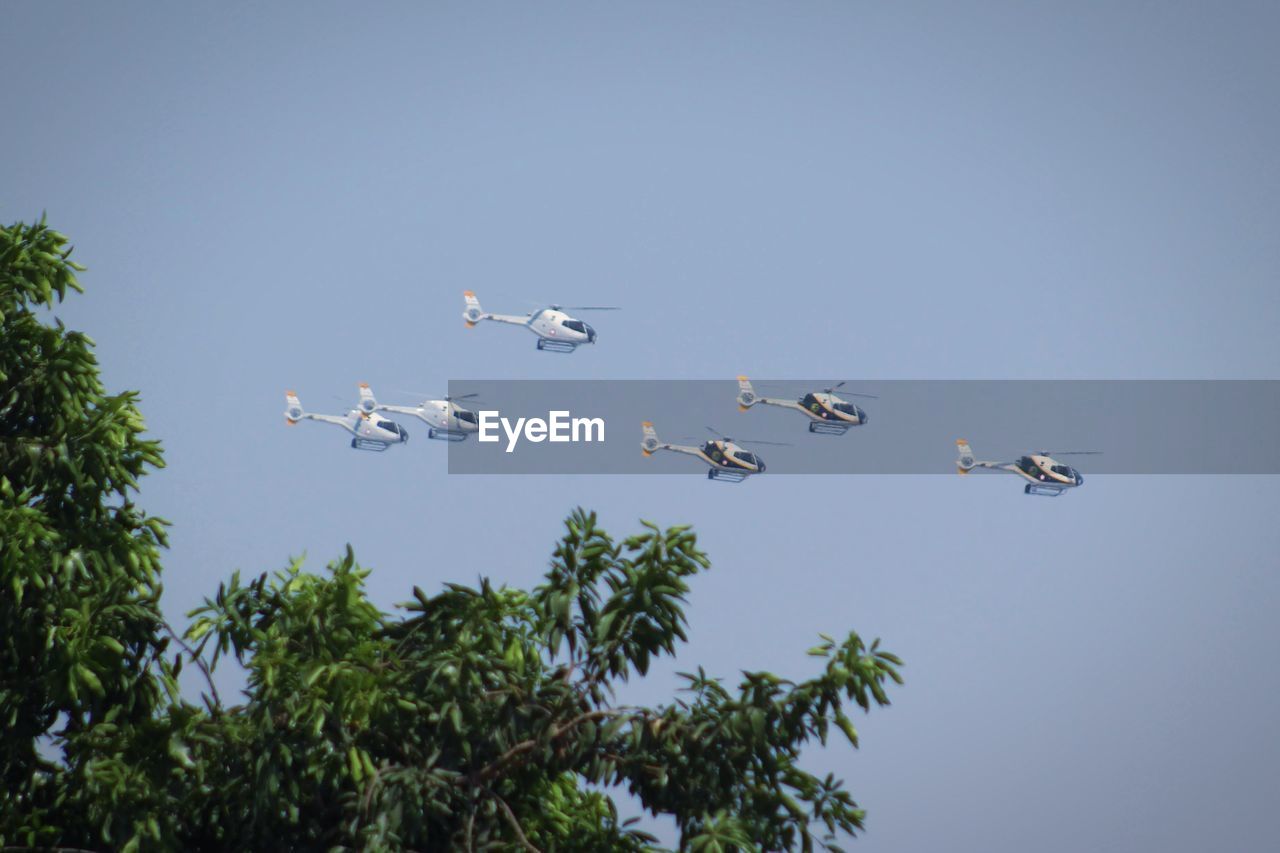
{"x": 1079, "y": 478}
{"x": 404, "y": 433}
{"x": 862, "y": 416}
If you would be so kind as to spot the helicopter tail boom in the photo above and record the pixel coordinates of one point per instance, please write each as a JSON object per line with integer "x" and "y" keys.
{"x": 965, "y": 461}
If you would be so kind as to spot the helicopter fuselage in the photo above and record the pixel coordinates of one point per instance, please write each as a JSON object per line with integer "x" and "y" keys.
{"x": 1046, "y": 471}
{"x": 728, "y": 456}
{"x": 554, "y": 325}
{"x": 443, "y": 415}
{"x": 371, "y": 429}
{"x": 830, "y": 408}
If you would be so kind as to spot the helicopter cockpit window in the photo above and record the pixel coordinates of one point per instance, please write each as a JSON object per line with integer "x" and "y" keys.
{"x": 1063, "y": 471}
{"x": 846, "y": 408}
{"x": 575, "y": 325}
{"x": 744, "y": 456}
{"x": 388, "y": 426}
{"x": 464, "y": 415}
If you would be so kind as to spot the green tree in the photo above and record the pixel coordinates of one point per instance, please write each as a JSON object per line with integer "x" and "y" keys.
{"x": 475, "y": 718}
{"x": 79, "y": 567}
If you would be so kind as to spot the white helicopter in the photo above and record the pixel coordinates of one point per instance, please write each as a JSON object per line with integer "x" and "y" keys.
{"x": 827, "y": 413}
{"x": 368, "y": 431}
{"x": 556, "y": 330}
{"x": 726, "y": 459}
{"x": 1044, "y": 474}
{"x": 445, "y": 419}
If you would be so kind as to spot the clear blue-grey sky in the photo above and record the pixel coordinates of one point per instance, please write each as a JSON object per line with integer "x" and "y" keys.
{"x": 295, "y": 196}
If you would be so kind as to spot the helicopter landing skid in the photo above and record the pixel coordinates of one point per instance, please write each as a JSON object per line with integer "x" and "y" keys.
{"x": 827, "y": 428}
{"x": 1046, "y": 491}
{"x": 548, "y": 345}
{"x": 368, "y": 444}
{"x": 727, "y": 476}
{"x": 445, "y": 435}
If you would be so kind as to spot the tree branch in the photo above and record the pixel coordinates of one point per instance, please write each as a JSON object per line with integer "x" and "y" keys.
{"x": 208, "y": 676}
{"x": 526, "y": 745}
{"x": 515, "y": 824}
{"x": 368, "y": 791}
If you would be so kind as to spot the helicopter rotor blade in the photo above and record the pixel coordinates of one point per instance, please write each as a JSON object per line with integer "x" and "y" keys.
{"x": 589, "y": 307}
{"x": 833, "y": 388}
{"x": 1071, "y": 453}
{"x": 732, "y": 440}
{"x": 797, "y": 386}
{"x": 423, "y": 396}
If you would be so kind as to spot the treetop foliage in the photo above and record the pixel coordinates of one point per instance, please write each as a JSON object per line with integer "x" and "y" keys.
{"x": 473, "y": 718}
{"x": 79, "y": 562}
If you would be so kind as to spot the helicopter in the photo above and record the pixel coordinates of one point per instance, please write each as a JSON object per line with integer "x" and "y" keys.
{"x": 726, "y": 459}
{"x": 368, "y": 431}
{"x": 1044, "y": 474}
{"x": 556, "y": 330}
{"x": 445, "y": 419}
{"x": 827, "y": 413}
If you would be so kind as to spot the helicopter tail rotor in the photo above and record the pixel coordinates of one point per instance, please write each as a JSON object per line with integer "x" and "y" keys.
{"x": 650, "y": 442}
{"x": 746, "y": 394}
{"x": 368, "y": 403}
{"x": 474, "y": 313}
{"x": 293, "y": 411}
